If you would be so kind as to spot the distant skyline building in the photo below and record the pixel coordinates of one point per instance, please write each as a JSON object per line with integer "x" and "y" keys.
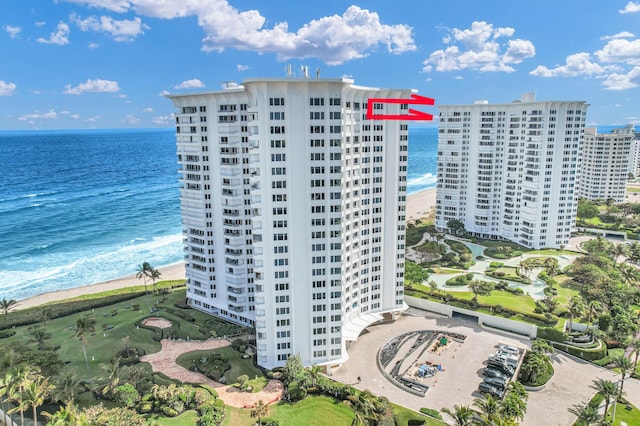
{"x": 293, "y": 211}
{"x": 607, "y": 160}
{"x": 511, "y": 171}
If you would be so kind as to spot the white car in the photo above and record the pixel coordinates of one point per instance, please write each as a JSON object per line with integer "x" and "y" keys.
{"x": 509, "y": 349}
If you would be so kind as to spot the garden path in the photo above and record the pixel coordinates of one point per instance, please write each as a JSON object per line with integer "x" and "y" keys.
{"x": 165, "y": 363}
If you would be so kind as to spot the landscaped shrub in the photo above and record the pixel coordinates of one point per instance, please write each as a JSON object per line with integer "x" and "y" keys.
{"x": 496, "y": 265}
{"x": 551, "y": 334}
{"x": 586, "y": 354}
{"x": 6, "y": 333}
{"x": 431, "y": 413}
{"x": 168, "y": 411}
{"x": 162, "y": 380}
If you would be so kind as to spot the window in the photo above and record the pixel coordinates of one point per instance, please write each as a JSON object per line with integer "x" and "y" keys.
{"x": 276, "y": 101}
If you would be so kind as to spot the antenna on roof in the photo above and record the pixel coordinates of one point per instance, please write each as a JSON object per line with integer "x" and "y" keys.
{"x": 318, "y": 73}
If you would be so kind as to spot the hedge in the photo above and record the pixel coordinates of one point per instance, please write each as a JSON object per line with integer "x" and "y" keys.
{"x": 551, "y": 334}
{"x": 586, "y": 354}
{"x": 431, "y": 413}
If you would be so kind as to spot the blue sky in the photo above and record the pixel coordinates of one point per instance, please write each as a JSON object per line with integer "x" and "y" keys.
{"x": 70, "y": 64}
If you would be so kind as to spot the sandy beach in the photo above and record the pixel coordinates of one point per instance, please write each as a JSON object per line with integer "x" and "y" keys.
{"x": 419, "y": 205}
{"x": 171, "y": 272}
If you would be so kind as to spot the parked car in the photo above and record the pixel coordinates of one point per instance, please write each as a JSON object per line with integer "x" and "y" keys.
{"x": 501, "y": 366}
{"x": 496, "y": 381}
{"x": 492, "y": 372}
{"x": 509, "y": 349}
{"x": 490, "y": 389}
{"x": 505, "y": 358}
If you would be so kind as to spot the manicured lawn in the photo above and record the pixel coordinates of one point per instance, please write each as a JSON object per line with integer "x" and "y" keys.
{"x": 312, "y": 411}
{"x": 509, "y": 272}
{"x": 564, "y": 294}
{"x": 554, "y": 252}
{"x": 630, "y": 418}
{"x": 103, "y": 345}
{"x": 189, "y": 417}
{"x": 446, "y": 271}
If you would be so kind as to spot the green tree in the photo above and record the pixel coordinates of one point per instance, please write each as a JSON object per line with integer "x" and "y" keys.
{"x": 85, "y": 325}
{"x": 363, "y": 404}
{"x": 586, "y": 414}
{"x": 40, "y": 336}
{"x": 607, "y": 389}
{"x": 7, "y": 306}
{"x": 514, "y": 404}
{"x": 621, "y": 249}
{"x": 587, "y": 210}
{"x": 575, "y": 307}
{"x": 625, "y": 365}
{"x": 155, "y": 275}
{"x": 67, "y": 387}
{"x": 462, "y": 415}
{"x": 455, "y": 226}
{"x": 35, "y": 391}
{"x": 541, "y": 346}
{"x": 144, "y": 272}
{"x": 635, "y": 350}
{"x": 594, "y": 310}
{"x": 489, "y": 408}
{"x": 66, "y": 415}
{"x": 127, "y": 395}
{"x": 293, "y": 370}
{"x": 433, "y": 286}
{"x": 259, "y": 411}
{"x": 482, "y": 288}
{"x": 533, "y": 365}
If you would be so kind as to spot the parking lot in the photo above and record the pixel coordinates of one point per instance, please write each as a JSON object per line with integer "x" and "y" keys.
{"x": 463, "y": 363}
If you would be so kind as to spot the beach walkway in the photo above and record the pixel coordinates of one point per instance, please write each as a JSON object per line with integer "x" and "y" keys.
{"x": 165, "y": 363}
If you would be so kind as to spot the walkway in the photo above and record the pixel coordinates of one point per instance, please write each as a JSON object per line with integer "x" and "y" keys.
{"x": 165, "y": 363}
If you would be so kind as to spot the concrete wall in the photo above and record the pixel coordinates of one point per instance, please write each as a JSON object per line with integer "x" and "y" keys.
{"x": 500, "y": 323}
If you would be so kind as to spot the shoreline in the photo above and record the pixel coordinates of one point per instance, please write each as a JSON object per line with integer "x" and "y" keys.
{"x": 419, "y": 205}
{"x": 174, "y": 271}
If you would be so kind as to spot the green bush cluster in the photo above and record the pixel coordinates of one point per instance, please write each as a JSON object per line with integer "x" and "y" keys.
{"x": 7, "y": 333}
{"x": 431, "y": 413}
{"x": 548, "y": 333}
{"x": 460, "y": 280}
{"x": 583, "y": 353}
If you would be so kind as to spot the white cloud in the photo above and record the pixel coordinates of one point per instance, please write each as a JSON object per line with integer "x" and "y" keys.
{"x": 621, "y": 50}
{"x": 13, "y": 31}
{"x": 7, "y": 89}
{"x": 131, "y": 119}
{"x": 575, "y": 65}
{"x": 190, "y": 84}
{"x": 123, "y": 30}
{"x": 164, "y": 119}
{"x": 623, "y": 34}
{"x": 39, "y": 115}
{"x": 148, "y": 109}
{"x": 333, "y": 39}
{"x": 119, "y": 6}
{"x": 93, "y": 119}
{"x": 631, "y": 7}
{"x": 75, "y": 116}
{"x": 241, "y": 67}
{"x": 59, "y": 36}
{"x": 626, "y": 81}
{"x": 93, "y": 86}
{"x": 93, "y": 45}
{"x": 164, "y": 93}
{"x": 478, "y": 48}
{"x": 40, "y": 24}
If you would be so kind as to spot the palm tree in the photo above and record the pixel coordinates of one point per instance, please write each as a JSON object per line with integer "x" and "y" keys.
{"x": 619, "y": 250}
{"x": 607, "y": 389}
{"x": 364, "y": 407}
{"x": 462, "y": 415}
{"x": 594, "y": 310}
{"x": 260, "y": 410}
{"x": 541, "y": 346}
{"x": 635, "y": 345}
{"x": 67, "y": 415}
{"x": 6, "y": 306}
{"x": 40, "y": 336}
{"x": 489, "y": 408}
{"x": 514, "y": 404}
{"x": 154, "y": 275}
{"x": 575, "y": 307}
{"x": 84, "y": 325}
{"x": 35, "y": 392}
{"x": 586, "y": 414}
{"x": 19, "y": 380}
{"x": 67, "y": 386}
{"x": 534, "y": 363}
{"x": 625, "y": 365}
{"x": 5, "y": 385}
{"x": 144, "y": 272}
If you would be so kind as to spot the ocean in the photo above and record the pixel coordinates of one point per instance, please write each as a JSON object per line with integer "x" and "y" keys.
{"x": 82, "y": 207}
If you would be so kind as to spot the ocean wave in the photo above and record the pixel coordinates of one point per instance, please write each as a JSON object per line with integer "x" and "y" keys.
{"x": 424, "y": 180}
{"x": 77, "y": 269}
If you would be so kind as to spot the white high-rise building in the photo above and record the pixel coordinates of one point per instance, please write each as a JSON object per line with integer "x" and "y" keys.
{"x": 511, "y": 171}
{"x": 293, "y": 211}
{"x": 606, "y": 162}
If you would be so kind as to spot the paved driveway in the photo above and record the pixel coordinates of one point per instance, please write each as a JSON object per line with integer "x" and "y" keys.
{"x": 463, "y": 363}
